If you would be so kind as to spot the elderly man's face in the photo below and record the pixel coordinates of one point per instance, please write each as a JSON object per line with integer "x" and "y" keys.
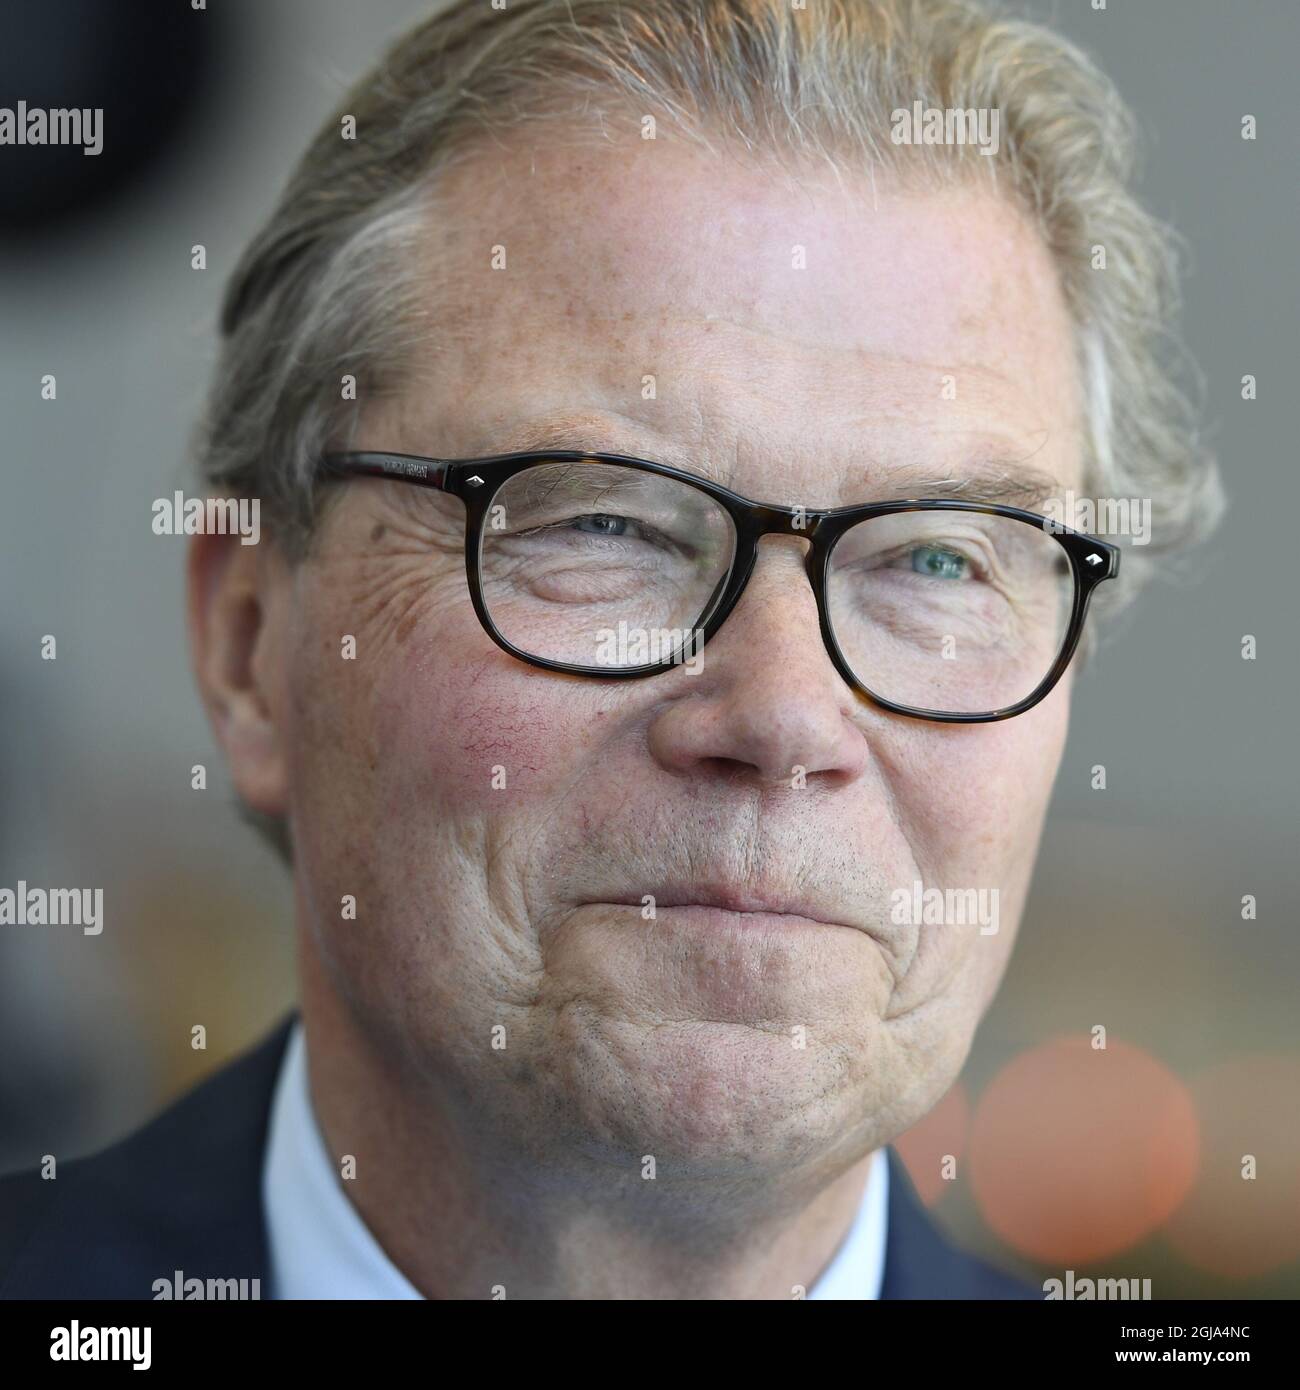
{"x": 500, "y": 826}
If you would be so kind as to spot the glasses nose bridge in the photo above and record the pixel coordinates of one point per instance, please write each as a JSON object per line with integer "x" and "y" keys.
{"x": 803, "y": 523}
{"x": 763, "y": 520}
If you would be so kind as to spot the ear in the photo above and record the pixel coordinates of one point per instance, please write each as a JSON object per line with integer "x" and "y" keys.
{"x": 236, "y": 596}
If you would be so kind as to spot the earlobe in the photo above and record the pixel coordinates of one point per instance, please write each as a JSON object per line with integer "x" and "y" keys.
{"x": 231, "y": 607}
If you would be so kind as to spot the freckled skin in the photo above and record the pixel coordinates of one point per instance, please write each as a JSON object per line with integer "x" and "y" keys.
{"x": 481, "y": 907}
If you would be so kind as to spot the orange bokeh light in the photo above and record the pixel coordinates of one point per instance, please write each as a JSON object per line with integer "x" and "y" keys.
{"x": 1077, "y": 1153}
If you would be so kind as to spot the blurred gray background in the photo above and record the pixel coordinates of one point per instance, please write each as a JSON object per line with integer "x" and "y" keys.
{"x": 1135, "y": 920}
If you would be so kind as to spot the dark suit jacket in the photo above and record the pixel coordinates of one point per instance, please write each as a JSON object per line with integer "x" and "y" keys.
{"x": 185, "y": 1193}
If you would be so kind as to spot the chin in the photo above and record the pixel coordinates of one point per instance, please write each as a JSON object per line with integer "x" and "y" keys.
{"x": 715, "y": 1098}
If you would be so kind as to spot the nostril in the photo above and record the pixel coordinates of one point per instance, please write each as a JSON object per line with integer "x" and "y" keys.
{"x": 726, "y": 769}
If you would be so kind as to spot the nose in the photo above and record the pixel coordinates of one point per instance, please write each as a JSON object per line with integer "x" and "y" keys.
{"x": 767, "y": 703}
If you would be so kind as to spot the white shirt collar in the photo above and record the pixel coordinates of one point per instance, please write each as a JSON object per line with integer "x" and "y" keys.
{"x": 321, "y": 1248}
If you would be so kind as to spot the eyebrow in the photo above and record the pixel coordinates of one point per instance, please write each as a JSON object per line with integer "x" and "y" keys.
{"x": 989, "y": 480}
{"x": 1006, "y": 484}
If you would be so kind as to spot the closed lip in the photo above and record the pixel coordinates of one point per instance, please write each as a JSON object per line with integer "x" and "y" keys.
{"x": 737, "y": 900}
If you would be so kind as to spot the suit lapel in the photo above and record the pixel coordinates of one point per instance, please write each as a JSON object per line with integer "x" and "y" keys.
{"x": 183, "y": 1194}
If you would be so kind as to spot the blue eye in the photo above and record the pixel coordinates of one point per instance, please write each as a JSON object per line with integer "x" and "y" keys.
{"x": 601, "y": 524}
{"x": 938, "y": 563}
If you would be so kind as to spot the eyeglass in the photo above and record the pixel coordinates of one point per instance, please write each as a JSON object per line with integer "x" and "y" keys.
{"x": 614, "y": 567}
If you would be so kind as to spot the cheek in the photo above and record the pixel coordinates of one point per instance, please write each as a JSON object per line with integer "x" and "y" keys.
{"x": 410, "y": 766}
{"x": 431, "y": 724}
{"x": 972, "y": 802}
{"x": 467, "y": 724}
{"x": 974, "y": 798}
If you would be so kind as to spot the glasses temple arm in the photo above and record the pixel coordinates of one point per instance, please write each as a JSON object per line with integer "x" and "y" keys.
{"x": 429, "y": 472}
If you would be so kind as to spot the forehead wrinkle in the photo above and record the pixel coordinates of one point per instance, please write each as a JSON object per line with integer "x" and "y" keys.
{"x": 876, "y": 364}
